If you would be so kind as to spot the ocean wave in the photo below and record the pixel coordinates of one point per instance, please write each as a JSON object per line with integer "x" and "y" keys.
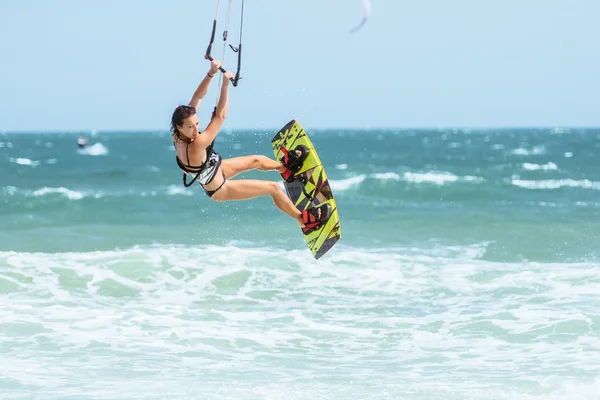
{"x": 356, "y": 314}
{"x": 97, "y": 149}
{"x": 147, "y": 268}
{"x": 430, "y": 177}
{"x": 174, "y": 190}
{"x": 385, "y": 185}
{"x": 348, "y": 183}
{"x": 24, "y": 161}
{"x": 537, "y": 167}
{"x": 427, "y": 178}
{"x": 552, "y": 184}
{"x": 437, "y": 281}
{"x": 46, "y": 191}
{"x": 73, "y": 194}
{"x": 151, "y": 264}
{"x": 70, "y": 194}
{"x": 439, "y": 178}
{"x": 31, "y": 163}
{"x": 536, "y": 150}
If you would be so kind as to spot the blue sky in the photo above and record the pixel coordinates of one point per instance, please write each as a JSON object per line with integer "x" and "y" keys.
{"x": 114, "y": 64}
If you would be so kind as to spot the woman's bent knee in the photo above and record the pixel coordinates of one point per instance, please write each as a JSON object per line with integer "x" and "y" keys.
{"x": 275, "y": 188}
{"x": 256, "y": 161}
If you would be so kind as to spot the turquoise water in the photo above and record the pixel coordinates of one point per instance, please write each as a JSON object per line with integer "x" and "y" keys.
{"x": 468, "y": 269}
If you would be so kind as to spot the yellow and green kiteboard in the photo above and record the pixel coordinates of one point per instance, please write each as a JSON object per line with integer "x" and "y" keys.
{"x": 310, "y": 187}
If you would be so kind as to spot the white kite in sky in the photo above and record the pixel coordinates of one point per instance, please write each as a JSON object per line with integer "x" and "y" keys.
{"x": 367, "y": 5}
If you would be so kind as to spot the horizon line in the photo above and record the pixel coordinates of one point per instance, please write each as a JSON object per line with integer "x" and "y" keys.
{"x": 322, "y": 129}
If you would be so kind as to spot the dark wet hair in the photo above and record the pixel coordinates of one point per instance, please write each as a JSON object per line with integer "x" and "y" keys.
{"x": 181, "y": 113}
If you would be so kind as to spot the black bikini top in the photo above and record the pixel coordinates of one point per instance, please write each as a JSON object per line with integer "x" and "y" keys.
{"x": 191, "y": 168}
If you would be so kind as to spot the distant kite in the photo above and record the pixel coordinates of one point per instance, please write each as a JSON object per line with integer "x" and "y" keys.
{"x": 367, "y": 5}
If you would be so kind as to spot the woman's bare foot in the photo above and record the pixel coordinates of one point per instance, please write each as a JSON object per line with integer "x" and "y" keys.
{"x": 318, "y": 213}
{"x": 281, "y": 169}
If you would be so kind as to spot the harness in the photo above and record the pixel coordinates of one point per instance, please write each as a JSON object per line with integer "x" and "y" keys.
{"x": 211, "y": 165}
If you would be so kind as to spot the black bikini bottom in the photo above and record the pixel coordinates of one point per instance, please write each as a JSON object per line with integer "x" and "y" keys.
{"x": 210, "y": 193}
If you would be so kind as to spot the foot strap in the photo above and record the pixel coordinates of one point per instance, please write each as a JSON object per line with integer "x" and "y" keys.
{"x": 312, "y": 221}
{"x": 292, "y": 161}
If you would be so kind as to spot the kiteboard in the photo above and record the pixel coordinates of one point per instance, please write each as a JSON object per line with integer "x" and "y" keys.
{"x": 309, "y": 187}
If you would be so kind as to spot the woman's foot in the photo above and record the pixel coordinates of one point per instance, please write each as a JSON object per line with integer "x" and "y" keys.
{"x": 313, "y": 217}
{"x": 291, "y": 162}
{"x": 281, "y": 169}
{"x": 303, "y": 216}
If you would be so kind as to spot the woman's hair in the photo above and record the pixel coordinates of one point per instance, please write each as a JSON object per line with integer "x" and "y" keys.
{"x": 181, "y": 113}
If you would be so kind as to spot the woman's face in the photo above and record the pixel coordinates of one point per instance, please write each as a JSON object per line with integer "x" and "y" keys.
{"x": 189, "y": 128}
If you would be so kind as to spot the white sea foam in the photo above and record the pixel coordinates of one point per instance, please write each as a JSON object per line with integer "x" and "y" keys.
{"x": 556, "y": 184}
{"x": 439, "y": 178}
{"x": 73, "y": 194}
{"x": 70, "y": 194}
{"x": 97, "y": 149}
{"x": 537, "y": 167}
{"x": 428, "y": 322}
{"x": 9, "y": 190}
{"x": 345, "y": 184}
{"x": 430, "y": 177}
{"x": 387, "y": 176}
{"x": 24, "y": 161}
{"x": 536, "y": 150}
{"x": 173, "y": 190}
{"x": 435, "y": 178}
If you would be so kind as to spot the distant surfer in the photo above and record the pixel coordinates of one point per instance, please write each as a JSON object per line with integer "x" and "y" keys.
{"x": 81, "y": 142}
{"x": 199, "y": 160}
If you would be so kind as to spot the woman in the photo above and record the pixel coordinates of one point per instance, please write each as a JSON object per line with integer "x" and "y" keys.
{"x": 197, "y": 158}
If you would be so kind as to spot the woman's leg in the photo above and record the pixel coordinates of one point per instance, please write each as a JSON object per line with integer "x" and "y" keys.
{"x": 249, "y": 188}
{"x": 237, "y": 165}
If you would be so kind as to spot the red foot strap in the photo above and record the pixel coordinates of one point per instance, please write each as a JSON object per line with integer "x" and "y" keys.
{"x": 310, "y": 221}
{"x": 287, "y": 174}
{"x": 293, "y": 161}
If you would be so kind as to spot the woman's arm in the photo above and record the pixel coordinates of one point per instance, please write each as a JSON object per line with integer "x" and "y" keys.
{"x": 223, "y": 104}
{"x": 220, "y": 113}
{"x": 203, "y": 87}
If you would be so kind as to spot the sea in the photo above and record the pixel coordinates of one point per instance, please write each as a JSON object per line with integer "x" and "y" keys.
{"x": 468, "y": 268}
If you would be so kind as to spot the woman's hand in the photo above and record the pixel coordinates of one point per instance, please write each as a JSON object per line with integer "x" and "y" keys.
{"x": 227, "y": 77}
{"x": 214, "y": 66}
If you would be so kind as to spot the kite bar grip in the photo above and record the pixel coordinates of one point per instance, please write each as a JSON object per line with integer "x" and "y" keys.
{"x": 208, "y": 56}
{"x": 212, "y": 39}
{"x": 223, "y": 70}
{"x": 239, "y": 66}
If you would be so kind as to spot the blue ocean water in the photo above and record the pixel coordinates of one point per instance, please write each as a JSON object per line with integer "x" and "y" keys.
{"x": 468, "y": 269}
